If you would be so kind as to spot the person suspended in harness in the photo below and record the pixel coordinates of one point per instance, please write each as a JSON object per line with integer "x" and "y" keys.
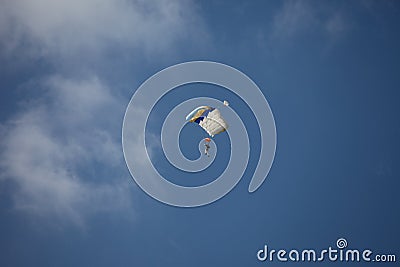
{"x": 206, "y": 149}
{"x": 207, "y": 146}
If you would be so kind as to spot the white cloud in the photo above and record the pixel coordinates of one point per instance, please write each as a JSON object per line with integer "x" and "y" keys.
{"x": 72, "y": 27}
{"x": 47, "y": 147}
{"x": 300, "y": 17}
{"x": 293, "y": 18}
{"x": 62, "y": 148}
{"x": 336, "y": 25}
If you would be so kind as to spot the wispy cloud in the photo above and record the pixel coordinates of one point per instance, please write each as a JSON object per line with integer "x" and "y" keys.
{"x": 81, "y": 28}
{"x": 52, "y": 148}
{"x": 293, "y": 18}
{"x": 301, "y": 17}
{"x": 337, "y": 25}
{"x": 62, "y": 148}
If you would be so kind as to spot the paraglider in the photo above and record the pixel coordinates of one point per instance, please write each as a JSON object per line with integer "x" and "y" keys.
{"x": 211, "y": 120}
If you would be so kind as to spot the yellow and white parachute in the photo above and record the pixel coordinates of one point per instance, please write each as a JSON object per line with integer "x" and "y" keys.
{"x": 209, "y": 119}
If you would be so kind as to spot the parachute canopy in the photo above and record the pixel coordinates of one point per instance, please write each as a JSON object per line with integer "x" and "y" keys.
{"x": 209, "y": 119}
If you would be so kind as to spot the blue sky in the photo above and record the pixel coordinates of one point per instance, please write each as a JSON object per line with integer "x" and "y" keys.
{"x": 329, "y": 70}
